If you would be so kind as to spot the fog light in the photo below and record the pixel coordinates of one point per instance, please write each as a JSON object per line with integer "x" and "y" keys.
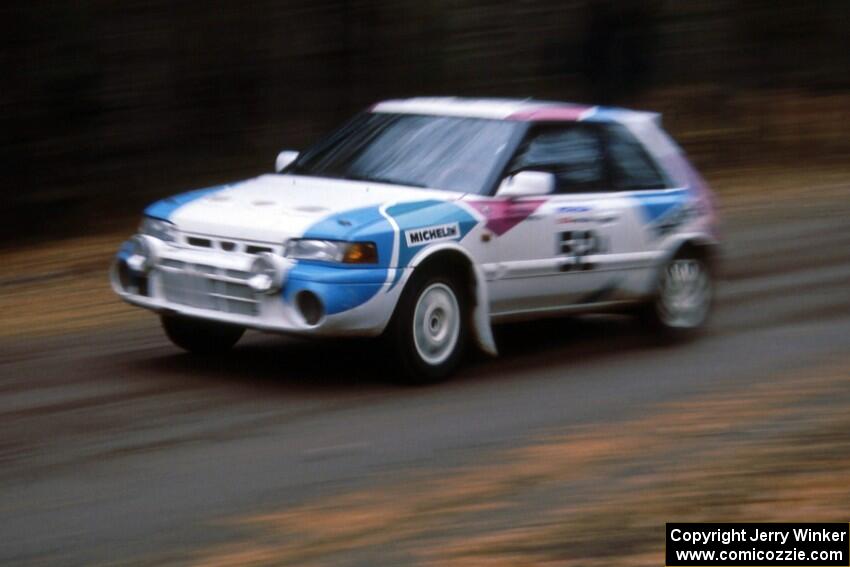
{"x": 261, "y": 283}
{"x": 141, "y": 258}
{"x": 137, "y": 263}
{"x": 267, "y": 273}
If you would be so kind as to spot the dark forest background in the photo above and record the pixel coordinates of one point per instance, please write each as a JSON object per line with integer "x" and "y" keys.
{"x": 107, "y": 105}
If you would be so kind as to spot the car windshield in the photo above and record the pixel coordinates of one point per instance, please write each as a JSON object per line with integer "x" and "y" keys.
{"x": 439, "y": 152}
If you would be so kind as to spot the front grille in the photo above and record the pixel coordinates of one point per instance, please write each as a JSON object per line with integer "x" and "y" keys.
{"x": 208, "y": 287}
{"x": 254, "y": 249}
{"x": 229, "y": 244}
{"x": 199, "y": 242}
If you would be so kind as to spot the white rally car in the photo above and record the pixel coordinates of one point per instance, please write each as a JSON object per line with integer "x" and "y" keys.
{"x": 427, "y": 220}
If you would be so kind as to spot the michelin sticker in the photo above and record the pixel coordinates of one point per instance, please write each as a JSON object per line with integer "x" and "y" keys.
{"x": 428, "y": 234}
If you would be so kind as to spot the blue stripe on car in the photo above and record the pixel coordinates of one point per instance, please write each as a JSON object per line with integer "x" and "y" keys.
{"x": 656, "y": 204}
{"x": 125, "y": 250}
{"x": 344, "y": 287}
{"x": 365, "y": 224}
{"x": 606, "y": 114}
{"x": 164, "y": 208}
{"x": 340, "y": 288}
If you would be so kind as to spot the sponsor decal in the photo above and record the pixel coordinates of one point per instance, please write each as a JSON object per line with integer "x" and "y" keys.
{"x": 576, "y": 219}
{"x": 415, "y": 216}
{"x": 573, "y": 214}
{"x": 428, "y": 234}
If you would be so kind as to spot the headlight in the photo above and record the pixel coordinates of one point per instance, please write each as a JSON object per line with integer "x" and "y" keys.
{"x": 332, "y": 251}
{"x": 157, "y": 228}
{"x": 140, "y": 255}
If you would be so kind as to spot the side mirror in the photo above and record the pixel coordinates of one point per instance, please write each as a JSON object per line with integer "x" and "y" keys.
{"x": 526, "y": 184}
{"x": 284, "y": 158}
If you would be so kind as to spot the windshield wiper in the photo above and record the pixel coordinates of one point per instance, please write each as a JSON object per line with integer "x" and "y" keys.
{"x": 388, "y": 180}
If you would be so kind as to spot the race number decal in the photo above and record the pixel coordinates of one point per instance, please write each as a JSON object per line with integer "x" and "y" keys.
{"x": 575, "y": 245}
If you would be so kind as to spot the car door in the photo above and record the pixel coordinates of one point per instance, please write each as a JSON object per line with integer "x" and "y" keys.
{"x": 651, "y": 207}
{"x": 570, "y": 248}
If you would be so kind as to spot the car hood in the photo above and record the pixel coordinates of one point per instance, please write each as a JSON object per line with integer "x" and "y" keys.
{"x": 273, "y": 208}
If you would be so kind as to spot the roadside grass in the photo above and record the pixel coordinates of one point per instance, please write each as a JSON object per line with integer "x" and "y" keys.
{"x": 60, "y": 287}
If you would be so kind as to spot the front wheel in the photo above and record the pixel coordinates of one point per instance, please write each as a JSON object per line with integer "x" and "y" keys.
{"x": 683, "y": 301}
{"x": 429, "y": 328}
{"x": 200, "y": 337}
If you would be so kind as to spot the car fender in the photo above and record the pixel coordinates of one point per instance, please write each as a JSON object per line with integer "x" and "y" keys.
{"x": 699, "y": 239}
{"x": 481, "y": 328}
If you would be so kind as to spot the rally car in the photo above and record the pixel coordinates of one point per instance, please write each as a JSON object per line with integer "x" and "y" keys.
{"x": 427, "y": 220}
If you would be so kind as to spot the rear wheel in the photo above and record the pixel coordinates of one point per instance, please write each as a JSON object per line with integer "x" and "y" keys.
{"x": 200, "y": 337}
{"x": 684, "y": 297}
{"x": 429, "y": 328}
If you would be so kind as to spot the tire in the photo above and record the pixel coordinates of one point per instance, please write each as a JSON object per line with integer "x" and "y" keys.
{"x": 200, "y": 337}
{"x": 429, "y": 328}
{"x": 681, "y": 306}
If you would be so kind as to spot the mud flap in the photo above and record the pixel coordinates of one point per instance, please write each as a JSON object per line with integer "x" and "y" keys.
{"x": 481, "y": 316}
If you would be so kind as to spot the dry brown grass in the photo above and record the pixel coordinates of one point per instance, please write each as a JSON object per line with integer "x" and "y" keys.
{"x": 60, "y": 287}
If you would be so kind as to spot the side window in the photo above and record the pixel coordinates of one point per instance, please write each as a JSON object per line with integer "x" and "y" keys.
{"x": 573, "y": 153}
{"x": 631, "y": 167}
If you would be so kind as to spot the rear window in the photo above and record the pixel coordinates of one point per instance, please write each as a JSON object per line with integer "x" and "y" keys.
{"x": 632, "y": 168}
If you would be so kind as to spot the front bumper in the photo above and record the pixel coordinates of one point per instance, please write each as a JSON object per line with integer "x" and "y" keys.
{"x": 213, "y": 285}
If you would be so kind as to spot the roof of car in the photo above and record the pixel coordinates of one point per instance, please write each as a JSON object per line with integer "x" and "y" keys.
{"x": 510, "y": 109}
